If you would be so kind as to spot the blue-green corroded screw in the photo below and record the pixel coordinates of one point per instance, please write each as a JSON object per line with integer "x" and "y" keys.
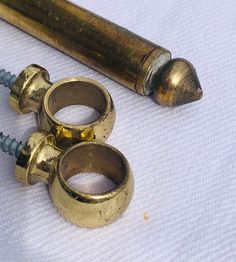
{"x": 6, "y": 78}
{"x": 10, "y": 146}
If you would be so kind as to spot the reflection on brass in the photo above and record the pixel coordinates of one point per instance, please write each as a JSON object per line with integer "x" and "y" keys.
{"x": 33, "y": 92}
{"x": 41, "y": 161}
{"x": 112, "y": 50}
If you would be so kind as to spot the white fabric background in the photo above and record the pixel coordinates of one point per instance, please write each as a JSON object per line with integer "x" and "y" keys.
{"x": 183, "y": 159}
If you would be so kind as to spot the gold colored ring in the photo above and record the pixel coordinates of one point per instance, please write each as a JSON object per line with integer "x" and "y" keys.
{"x": 86, "y": 209}
{"x": 77, "y": 91}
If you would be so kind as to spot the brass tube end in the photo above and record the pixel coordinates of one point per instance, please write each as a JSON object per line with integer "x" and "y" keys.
{"x": 150, "y": 70}
{"x": 177, "y": 84}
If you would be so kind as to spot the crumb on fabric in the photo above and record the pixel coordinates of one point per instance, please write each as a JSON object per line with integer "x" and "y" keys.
{"x": 146, "y": 216}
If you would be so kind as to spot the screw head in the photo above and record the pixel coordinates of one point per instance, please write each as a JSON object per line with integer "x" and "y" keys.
{"x": 29, "y": 89}
{"x": 36, "y": 159}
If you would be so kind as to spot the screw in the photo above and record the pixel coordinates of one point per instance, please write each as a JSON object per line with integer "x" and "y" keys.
{"x": 10, "y": 146}
{"x": 6, "y": 78}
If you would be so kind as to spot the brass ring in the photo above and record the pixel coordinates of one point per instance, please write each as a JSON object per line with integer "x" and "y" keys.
{"x": 82, "y": 91}
{"x": 86, "y": 209}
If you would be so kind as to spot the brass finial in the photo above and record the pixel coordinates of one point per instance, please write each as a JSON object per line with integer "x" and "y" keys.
{"x": 177, "y": 84}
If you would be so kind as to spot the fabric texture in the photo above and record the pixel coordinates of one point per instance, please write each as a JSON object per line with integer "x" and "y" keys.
{"x": 183, "y": 159}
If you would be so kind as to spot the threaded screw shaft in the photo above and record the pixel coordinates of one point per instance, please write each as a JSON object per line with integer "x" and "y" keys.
{"x": 6, "y": 78}
{"x": 10, "y": 146}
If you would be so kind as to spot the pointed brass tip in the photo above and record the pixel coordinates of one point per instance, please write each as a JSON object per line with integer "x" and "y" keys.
{"x": 177, "y": 84}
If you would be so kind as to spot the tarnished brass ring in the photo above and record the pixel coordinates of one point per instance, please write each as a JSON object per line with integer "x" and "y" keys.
{"x": 77, "y": 91}
{"x": 86, "y": 209}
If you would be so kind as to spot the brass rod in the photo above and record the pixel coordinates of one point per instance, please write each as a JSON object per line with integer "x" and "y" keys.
{"x": 110, "y": 49}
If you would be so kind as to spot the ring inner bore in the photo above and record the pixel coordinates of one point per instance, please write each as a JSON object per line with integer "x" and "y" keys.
{"x": 77, "y": 115}
{"x": 91, "y": 183}
{"x": 94, "y": 158}
{"x": 77, "y": 93}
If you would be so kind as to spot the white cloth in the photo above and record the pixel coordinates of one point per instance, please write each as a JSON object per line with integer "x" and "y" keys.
{"x": 183, "y": 159}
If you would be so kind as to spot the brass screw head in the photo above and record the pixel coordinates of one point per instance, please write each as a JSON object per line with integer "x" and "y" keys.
{"x": 29, "y": 89}
{"x": 36, "y": 160}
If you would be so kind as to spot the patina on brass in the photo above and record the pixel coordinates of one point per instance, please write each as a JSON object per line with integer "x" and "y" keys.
{"x": 33, "y": 92}
{"x": 41, "y": 161}
{"x": 112, "y": 50}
